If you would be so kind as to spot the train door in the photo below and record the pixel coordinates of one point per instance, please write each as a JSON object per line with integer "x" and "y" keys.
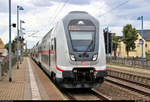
{"x": 49, "y": 55}
{"x": 52, "y": 53}
{"x": 55, "y": 55}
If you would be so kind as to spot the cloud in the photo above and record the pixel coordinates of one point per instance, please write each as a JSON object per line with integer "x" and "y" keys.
{"x": 40, "y": 3}
{"x": 75, "y": 2}
{"x": 3, "y": 29}
{"x": 4, "y": 6}
{"x": 5, "y": 36}
{"x": 117, "y": 30}
{"x": 40, "y": 15}
{"x": 80, "y": 2}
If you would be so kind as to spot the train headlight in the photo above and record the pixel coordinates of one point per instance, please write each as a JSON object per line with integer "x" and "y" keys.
{"x": 94, "y": 57}
{"x": 72, "y": 57}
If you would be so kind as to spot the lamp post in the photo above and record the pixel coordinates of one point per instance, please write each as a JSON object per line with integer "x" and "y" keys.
{"x": 142, "y": 42}
{"x": 21, "y": 34}
{"x": 10, "y": 62}
{"x": 107, "y": 29}
{"x": 26, "y": 45}
{"x": 18, "y": 42}
{"x": 21, "y": 21}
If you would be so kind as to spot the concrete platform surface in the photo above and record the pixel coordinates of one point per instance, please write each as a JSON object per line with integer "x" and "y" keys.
{"x": 28, "y": 83}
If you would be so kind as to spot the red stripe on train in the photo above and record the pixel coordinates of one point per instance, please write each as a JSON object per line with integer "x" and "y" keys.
{"x": 46, "y": 52}
{"x": 59, "y": 69}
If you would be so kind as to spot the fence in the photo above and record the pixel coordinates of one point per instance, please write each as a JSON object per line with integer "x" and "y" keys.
{"x": 4, "y": 65}
{"x": 130, "y": 62}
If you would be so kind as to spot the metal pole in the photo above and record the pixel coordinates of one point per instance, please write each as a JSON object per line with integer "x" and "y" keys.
{"x": 20, "y": 33}
{"x": 10, "y": 63}
{"x": 107, "y": 41}
{"x": 26, "y": 45}
{"x": 17, "y": 37}
{"x": 142, "y": 60}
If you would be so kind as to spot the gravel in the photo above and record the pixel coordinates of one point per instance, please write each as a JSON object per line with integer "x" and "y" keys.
{"x": 119, "y": 93}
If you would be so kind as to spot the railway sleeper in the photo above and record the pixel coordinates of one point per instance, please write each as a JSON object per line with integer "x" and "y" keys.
{"x": 148, "y": 81}
{"x": 130, "y": 77}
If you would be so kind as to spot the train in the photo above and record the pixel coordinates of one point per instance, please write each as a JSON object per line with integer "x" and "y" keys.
{"x": 72, "y": 53}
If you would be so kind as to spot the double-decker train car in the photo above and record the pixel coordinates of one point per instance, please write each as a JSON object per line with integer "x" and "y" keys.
{"x": 73, "y": 52}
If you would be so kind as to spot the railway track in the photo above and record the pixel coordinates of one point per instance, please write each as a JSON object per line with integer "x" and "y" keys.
{"x": 130, "y": 85}
{"x": 130, "y": 75}
{"x": 84, "y": 94}
{"x": 95, "y": 94}
{"x": 73, "y": 94}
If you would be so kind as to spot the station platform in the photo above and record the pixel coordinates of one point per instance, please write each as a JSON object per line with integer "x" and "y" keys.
{"x": 144, "y": 72}
{"x": 28, "y": 83}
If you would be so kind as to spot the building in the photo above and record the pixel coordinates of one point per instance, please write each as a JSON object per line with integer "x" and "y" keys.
{"x": 121, "y": 52}
{"x": 110, "y": 38}
{"x": 3, "y": 51}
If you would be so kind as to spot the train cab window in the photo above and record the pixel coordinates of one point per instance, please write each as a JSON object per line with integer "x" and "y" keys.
{"x": 82, "y": 34}
{"x": 82, "y": 41}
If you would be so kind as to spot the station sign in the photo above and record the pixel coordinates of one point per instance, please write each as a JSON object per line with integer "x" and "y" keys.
{"x": 22, "y": 43}
{"x": 81, "y": 28}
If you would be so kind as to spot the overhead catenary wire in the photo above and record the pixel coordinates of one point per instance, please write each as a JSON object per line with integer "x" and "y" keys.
{"x": 56, "y": 10}
{"x": 121, "y": 4}
{"x": 65, "y": 3}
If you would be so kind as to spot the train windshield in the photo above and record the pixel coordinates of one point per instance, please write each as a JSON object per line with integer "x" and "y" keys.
{"x": 82, "y": 41}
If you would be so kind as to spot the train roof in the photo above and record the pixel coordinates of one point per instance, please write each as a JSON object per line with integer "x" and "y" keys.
{"x": 79, "y": 15}
{"x": 37, "y": 43}
{"x": 75, "y": 12}
{"x": 47, "y": 35}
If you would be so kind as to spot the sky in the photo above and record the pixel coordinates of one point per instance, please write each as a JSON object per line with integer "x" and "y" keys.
{"x": 41, "y": 15}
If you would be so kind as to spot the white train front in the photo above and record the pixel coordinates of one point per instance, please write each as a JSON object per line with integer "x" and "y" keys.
{"x": 73, "y": 52}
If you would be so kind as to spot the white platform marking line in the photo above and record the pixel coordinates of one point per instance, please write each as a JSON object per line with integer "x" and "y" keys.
{"x": 34, "y": 88}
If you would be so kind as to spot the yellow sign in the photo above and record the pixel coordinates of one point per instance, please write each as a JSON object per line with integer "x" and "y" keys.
{"x": 22, "y": 44}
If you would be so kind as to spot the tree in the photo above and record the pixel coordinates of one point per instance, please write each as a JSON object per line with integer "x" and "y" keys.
{"x": 14, "y": 45}
{"x": 129, "y": 37}
{"x": 115, "y": 43}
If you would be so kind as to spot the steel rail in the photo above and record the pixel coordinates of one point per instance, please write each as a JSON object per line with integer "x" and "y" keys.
{"x": 136, "y": 87}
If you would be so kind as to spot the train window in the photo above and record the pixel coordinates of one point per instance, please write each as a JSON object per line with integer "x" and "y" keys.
{"x": 82, "y": 41}
{"x": 52, "y": 47}
{"x": 52, "y": 44}
{"x": 146, "y": 45}
{"x": 81, "y": 35}
{"x": 55, "y": 44}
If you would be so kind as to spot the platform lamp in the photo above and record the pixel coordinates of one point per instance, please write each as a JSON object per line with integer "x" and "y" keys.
{"x": 18, "y": 42}
{"x": 141, "y": 41}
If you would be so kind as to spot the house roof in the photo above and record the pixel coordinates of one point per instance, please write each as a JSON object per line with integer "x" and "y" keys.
{"x": 146, "y": 34}
{"x": 2, "y": 46}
